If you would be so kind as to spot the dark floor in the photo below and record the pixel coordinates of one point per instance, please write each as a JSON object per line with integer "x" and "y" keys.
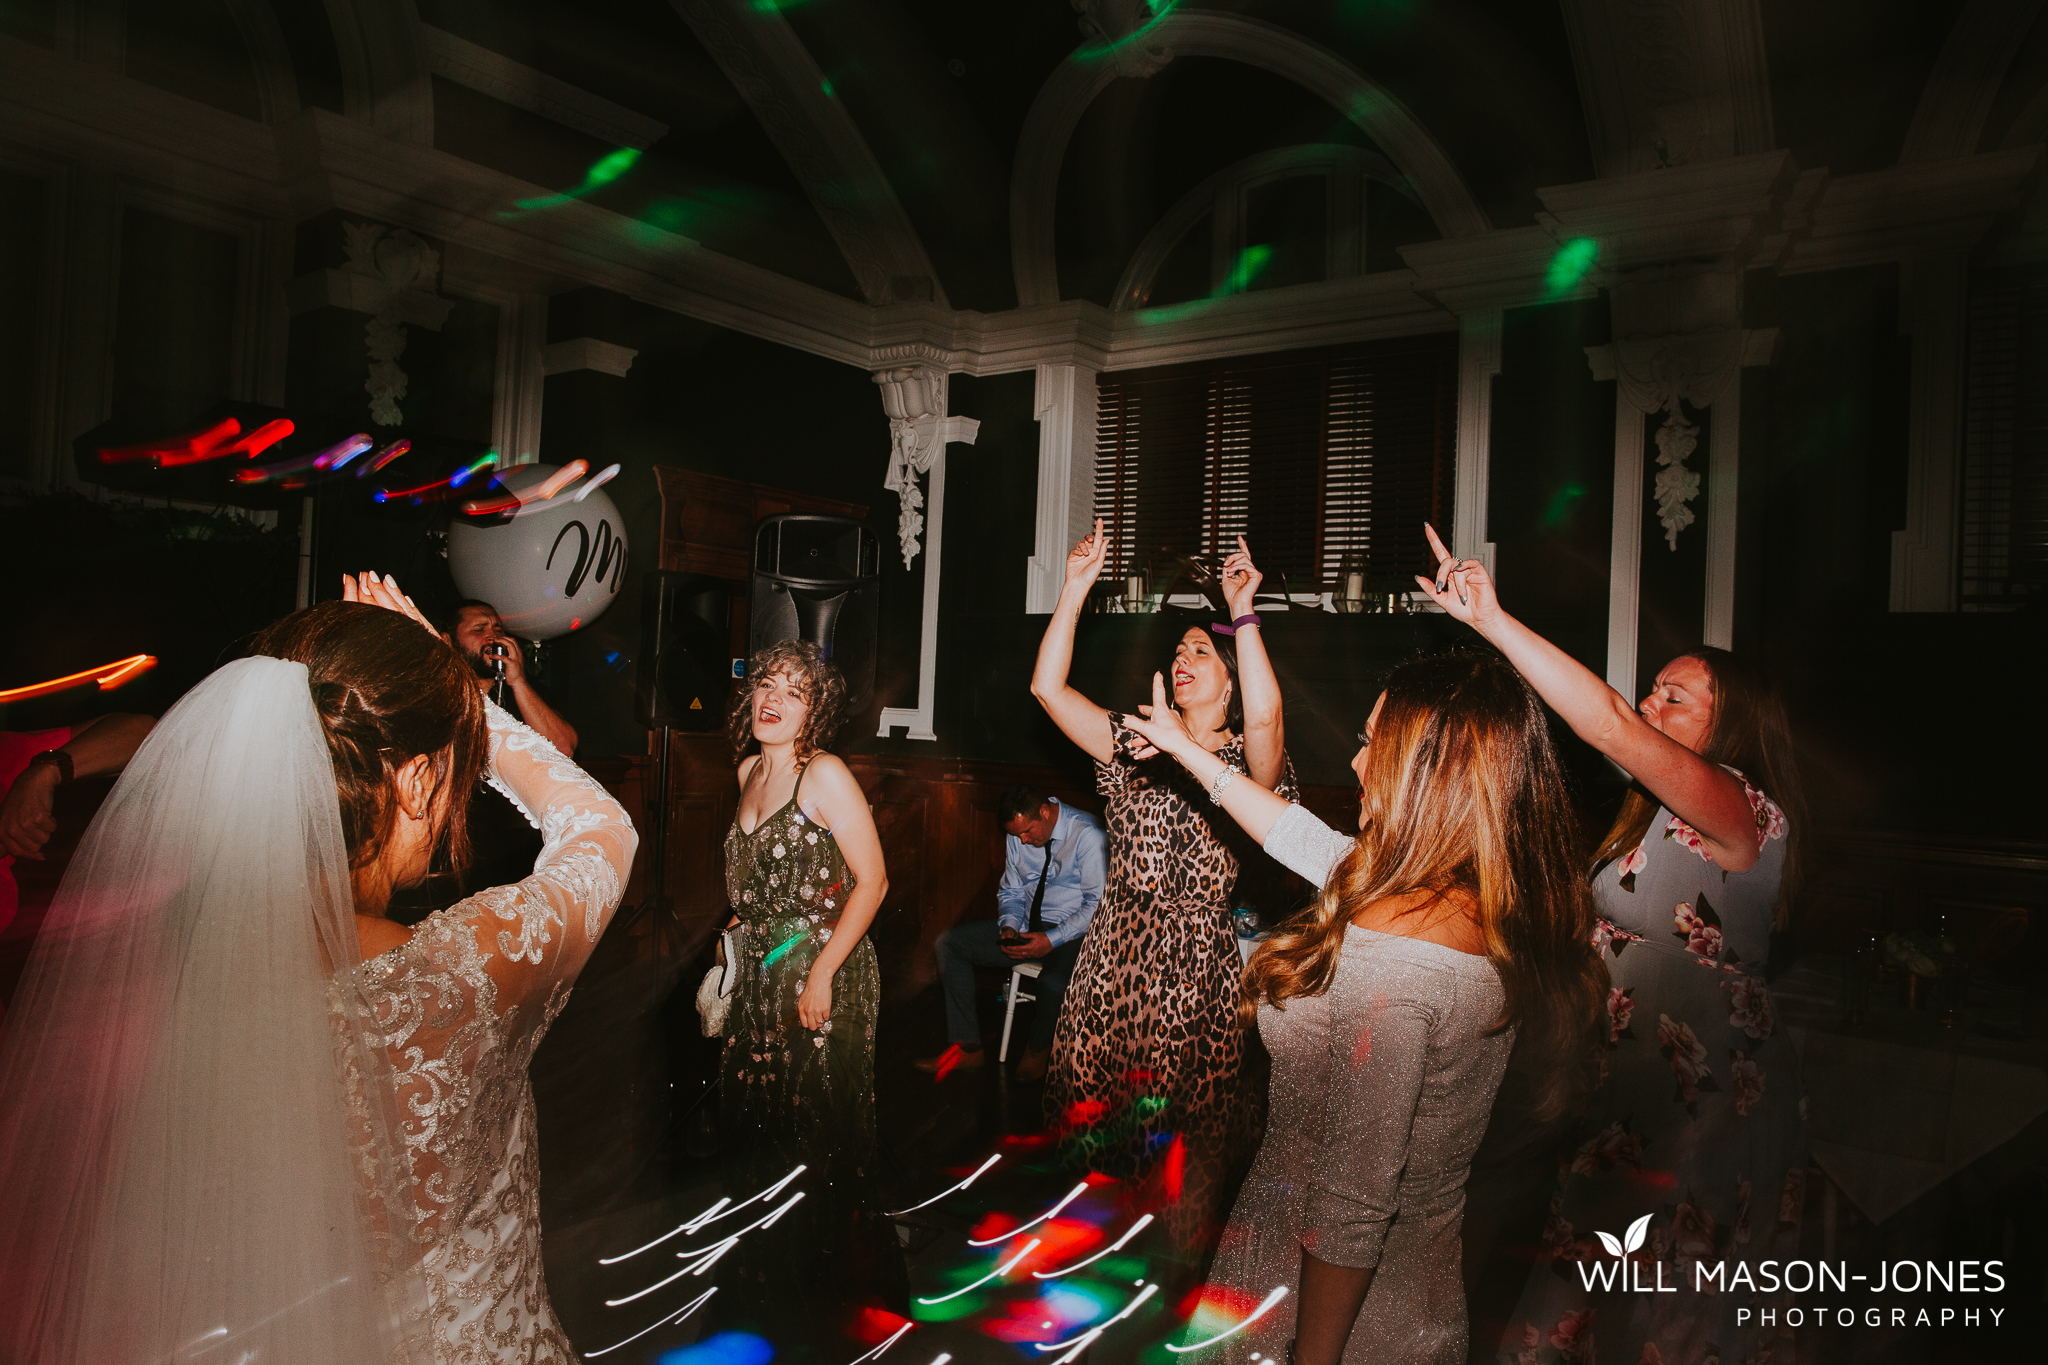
{"x": 628, "y": 1154}
{"x": 628, "y": 1151}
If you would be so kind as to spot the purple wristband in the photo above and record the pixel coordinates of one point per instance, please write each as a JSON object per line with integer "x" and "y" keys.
{"x": 1248, "y": 619}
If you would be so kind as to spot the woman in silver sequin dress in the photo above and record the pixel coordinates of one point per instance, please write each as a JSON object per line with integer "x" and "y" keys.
{"x": 1455, "y": 919}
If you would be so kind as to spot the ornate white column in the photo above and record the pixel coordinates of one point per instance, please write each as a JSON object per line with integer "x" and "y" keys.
{"x": 1933, "y": 306}
{"x": 1478, "y": 363}
{"x": 915, "y": 395}
{"x": 1654, "y": 375}
{"x": 1065, "y": 408}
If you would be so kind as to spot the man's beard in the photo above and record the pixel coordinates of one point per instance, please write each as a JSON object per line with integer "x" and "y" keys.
{"x": 481, "y": 666}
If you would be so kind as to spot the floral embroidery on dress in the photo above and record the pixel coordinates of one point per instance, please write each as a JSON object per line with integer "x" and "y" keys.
{"x": 1635, "y": 862}
{"x": 1748, "y": 1079}
{"x": 1688, "y": 1057}
{"x": 1607, "y": 934}
{"x": 1685, "y": 834}
{"x": 1613, "y": 1146}
{"x": 1700, "y": 929}
{"x": 1750, "y": 1007}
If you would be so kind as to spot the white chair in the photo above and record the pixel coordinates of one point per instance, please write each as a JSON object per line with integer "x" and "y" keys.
{"x": 1011, "y": 995}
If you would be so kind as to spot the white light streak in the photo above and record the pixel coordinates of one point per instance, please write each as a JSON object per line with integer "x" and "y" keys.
{"x": 955, "y": 1190}
{"x": 597, "y": 480}
{"x": 995, "y": 1274}
{"x": 1279, "y": 1292}
{"x": 708, "y": 1256}
{"x": 1118, "y": 1245}
{"x": 1089, "y": 1337}
{"x": 689, "y": 1308}
{"x": 708, "y": 1217}
{"x": 885, "y": 1345}
{"x": 1052, "y": 1212}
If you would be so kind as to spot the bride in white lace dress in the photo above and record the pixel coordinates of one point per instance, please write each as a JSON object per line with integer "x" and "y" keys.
{"x": 245, "y": 1116}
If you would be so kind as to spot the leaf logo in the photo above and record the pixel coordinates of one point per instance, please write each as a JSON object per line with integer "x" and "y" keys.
{"x": 1638, "y": 1233}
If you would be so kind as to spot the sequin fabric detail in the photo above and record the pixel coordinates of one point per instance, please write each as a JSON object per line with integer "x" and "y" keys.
{"x": 462, "y": 1008}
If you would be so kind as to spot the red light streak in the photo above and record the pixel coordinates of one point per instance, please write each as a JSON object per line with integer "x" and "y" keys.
{"x": 108, "y": 676}
{"x": 384, "y": 457}
{"x": 1118, "y": 1245}
{"x": 1050, "y": 1213}
{"x": 1278, "y": 1293}
{"x": 215, "y": 442}
{"x": 333, "y": 457}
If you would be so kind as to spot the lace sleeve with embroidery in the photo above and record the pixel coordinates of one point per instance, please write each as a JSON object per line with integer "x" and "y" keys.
{"x": 462, "y": 1006}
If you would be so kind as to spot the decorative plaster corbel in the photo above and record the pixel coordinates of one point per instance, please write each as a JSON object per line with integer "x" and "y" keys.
{"x": 1656, "y": 374}
{"x": 914, "y": 396}
{"x": 397, "y": 274}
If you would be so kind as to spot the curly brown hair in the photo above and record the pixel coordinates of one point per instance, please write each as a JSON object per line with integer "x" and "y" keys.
{"x": 386, "y": 692}
{"x": 816, "y": 681}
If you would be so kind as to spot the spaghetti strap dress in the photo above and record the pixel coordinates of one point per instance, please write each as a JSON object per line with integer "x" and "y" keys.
{"x": 791, "y": 1096}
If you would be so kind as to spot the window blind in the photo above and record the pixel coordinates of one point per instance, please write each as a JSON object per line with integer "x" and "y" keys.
{"x": 1309, "y": 455}
{"x": 2004, "y": 541}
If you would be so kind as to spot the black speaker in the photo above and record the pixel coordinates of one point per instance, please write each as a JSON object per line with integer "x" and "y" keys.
{"x": 685, "y": 651}
{"x": 819, "y": 579}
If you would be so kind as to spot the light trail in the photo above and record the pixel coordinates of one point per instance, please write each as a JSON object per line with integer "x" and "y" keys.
{"x": 955, "y": 1190}
{"x": 900, "y": 1331}
{"x": 1279, "y": 1292}
{"x": 1094, "y": 1334}
{"x": 708, "y": 1217}
{"x": 1118, "y": 1245}
{"x": 108, "y": 676}
{"x": 995, "y": 1274}
{"x": 689, "y": 1308}
{"x": 1052, "y": 1212}
{"x": 707, "y": 1257}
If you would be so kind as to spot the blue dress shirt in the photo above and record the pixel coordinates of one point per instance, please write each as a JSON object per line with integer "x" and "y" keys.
{"x": 1080, "y": 866}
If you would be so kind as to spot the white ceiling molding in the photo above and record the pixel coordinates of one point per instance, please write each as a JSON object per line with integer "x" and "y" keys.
{"x": 385, "y": 82}
{"x": 1670, "y": 82}
{"x": 586, "y": 353}
{"x": 277, "y": 84}
{"x": 509, "y": 82}
{"x": 774, "y": 73}
{"x": 1726, "y": 207}
{"x": 1089, "y": 70}
{"x": 1223, "y": 192}
{"x": 1910, "y": 209}
{"x": 1956, "y": 101}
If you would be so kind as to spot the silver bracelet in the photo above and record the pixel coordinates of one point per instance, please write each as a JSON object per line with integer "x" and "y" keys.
{"x": 1223, "y": 780}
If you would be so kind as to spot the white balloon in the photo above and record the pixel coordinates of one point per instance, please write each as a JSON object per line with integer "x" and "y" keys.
{"x": 548, "y": 572}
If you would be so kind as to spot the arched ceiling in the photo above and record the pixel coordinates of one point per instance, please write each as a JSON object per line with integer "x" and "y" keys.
{"x": 871, "y": 147}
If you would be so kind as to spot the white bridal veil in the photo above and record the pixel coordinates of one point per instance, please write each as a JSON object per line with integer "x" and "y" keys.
{"x": 187, "y": 1177}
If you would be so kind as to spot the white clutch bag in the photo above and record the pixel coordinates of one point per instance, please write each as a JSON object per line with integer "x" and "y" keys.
{"x": 714, "y": 996}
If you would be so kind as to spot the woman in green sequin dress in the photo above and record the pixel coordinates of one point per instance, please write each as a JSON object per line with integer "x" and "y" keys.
{"x": 804, "y": 871}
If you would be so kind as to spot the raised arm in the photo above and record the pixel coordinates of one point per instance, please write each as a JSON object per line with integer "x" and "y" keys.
{"x": 1699, "y": 792}
{"x": 1244, "y": 800}
{"x": 1265, "y": 738}
{"x": 1079, "y": 719}
{"x": 834, "y": 799}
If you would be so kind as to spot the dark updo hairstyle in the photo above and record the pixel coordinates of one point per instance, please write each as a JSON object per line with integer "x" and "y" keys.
{"x": 819, "y": 685}
{"x": 386, "y": 692}
{"x": 1226, "y": 650}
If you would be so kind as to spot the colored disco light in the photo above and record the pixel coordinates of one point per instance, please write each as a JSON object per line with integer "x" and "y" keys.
{"x": 1144, "y": 1221}
{"x": 333, "y": 457}
{"x": 597, "y": 481}
{"x": 463, "y": 475}
{"x": 108, "y": 676}
{"x": 727, "y": 1348}
{"x": 1266, "y": 1306}
{"x": 1075, "y": 1346}
{"x": 607, "y": 170}
{"x": 530, "y": 499}
{"x": 1048, "y": 1215}
{"x": 384, "y": 457}
{"x": 1001, "y": 1270}
{"x": 224, "y": 438}
{"x": 1246, "y": 269}
{"x": 1559, "y": 506}
{"x": 1569, "y": 266}
{"x": 979, "y": 1171}
{"x": 1106, "y": 51}
{"x": 784, "y": 948}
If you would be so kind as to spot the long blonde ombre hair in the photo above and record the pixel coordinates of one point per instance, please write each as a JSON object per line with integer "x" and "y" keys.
{"x": 1462, "y": 793}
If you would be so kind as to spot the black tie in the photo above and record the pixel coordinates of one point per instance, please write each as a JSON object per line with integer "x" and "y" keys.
{"x": 1038, "y": 897}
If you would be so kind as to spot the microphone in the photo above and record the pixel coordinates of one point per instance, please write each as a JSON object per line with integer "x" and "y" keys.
{"x": 495, "y": 652}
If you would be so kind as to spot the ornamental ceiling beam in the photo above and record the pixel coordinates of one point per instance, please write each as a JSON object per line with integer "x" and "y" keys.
{"x": 775, "y": 74}
{"x": 1090, "y": 69}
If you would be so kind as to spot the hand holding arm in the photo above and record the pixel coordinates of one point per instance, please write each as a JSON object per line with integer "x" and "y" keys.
{"x": 1265, "y": 738}
{"x": 103, "y": 744}
{"x": 1701, "y": 793}
{"x": 1245, "y": 800}
{"x": 842, "y": 808}
{"x": 1079, "y": 719}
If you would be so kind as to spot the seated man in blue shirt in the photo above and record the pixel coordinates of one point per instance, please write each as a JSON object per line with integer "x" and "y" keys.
{"x": 1057, "y": 860}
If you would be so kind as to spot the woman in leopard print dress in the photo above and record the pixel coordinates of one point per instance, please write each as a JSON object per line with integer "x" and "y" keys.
{"x": 1147, "y": 1080}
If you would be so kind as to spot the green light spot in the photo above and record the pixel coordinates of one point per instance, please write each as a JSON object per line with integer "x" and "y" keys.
{"x": 1250, "y": 264}
{"x": 1570, "y": 265}
{"x": 607, "y": 170}
{"x": 782, "y": 949}
{"x": 826, "y": 86}
{"x": 1559, "y": 508}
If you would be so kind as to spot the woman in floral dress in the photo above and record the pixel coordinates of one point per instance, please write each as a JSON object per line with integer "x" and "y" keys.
{"x": 1693, "y": 1150}
{"x": 1147, "y": 1081}
{"x": 804, "y": 871}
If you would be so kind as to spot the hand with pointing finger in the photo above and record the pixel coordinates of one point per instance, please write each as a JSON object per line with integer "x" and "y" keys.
{"x": 1462, "y": 587}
